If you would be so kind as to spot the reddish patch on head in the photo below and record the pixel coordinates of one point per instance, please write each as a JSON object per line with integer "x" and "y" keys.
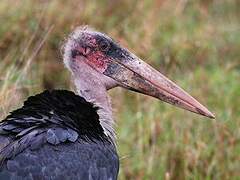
{"x": 88, "y": 47}
{"x": 98, "y": 61}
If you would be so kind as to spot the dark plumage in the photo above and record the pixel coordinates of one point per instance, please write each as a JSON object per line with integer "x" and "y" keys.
{"x": 52, "y": 132}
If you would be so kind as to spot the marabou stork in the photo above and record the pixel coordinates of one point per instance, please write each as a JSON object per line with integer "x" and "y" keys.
{"x": 61, "y": 135}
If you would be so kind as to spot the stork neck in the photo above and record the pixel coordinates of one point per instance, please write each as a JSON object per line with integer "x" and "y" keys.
{"x": 95, "y": 92}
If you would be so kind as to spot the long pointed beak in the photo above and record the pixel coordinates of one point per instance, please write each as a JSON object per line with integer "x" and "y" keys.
{"x": 134, "y": 74}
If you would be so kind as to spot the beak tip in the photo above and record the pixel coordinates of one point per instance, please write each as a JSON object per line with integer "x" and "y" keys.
{"x": 206, "y": 113}
{"x": 211, "y": 115}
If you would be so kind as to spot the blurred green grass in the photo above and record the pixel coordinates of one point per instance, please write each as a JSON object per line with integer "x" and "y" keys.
{"x": 196, "y": 43}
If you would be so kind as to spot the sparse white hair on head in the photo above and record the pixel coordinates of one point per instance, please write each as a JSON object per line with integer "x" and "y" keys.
{"x": 70, "y": 41}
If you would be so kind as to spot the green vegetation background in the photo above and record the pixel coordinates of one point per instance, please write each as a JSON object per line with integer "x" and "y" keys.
{"x": 195, "y": 43}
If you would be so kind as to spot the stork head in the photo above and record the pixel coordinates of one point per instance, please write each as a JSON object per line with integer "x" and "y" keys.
{"x": 96, "y": 57}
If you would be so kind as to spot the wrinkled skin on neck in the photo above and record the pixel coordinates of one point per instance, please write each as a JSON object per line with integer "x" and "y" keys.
{"x": 94, "y": 89}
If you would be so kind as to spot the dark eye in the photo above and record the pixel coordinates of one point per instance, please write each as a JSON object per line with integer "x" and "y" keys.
{"x": 104, "y": 45}
{"x": 75, "y": 53}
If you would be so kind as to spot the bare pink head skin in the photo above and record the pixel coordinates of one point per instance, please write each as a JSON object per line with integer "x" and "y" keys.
{"x": 98, "y": 63}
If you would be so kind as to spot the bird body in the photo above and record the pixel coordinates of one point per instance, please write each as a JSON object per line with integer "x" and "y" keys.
{"x": 53, "y": 132}
{"x": 61, "y": 135}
